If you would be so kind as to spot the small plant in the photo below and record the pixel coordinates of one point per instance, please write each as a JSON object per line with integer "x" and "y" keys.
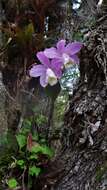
{"x": 54, "y": 61}
{"x": 33, "y": 155}
{"x": 34, "y": 171}
{"x": 12, "y": 183}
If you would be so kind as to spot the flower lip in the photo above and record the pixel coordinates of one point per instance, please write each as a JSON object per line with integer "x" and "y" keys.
{"x": 48, "y": 74}
{"x": 66, "y": 58}
{"x": 51, "y": 77}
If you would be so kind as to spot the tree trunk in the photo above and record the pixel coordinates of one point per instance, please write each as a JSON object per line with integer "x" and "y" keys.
{"x": 82, "y": 163}
{"x": 3, "y": 116}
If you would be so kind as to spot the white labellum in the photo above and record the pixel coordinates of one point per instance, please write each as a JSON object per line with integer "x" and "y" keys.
{"x": 51, "y": 77}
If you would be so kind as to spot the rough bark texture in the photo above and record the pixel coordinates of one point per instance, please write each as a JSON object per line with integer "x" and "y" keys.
{"x": 26, "y": 100}
{"x": 3, "y": 116}
{"x": 85, "y": 135}
{"x": 82, "y": 164}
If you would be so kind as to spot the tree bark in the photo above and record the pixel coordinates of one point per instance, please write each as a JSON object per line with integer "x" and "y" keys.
{"x": 82, "y": 161}
{"x": 3, "y": 116}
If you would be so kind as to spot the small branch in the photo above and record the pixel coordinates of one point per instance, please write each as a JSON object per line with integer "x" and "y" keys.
{"x": 23, "y": 177}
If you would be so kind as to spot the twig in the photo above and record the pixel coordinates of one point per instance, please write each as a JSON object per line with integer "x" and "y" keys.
{"x": 23, "y": 176}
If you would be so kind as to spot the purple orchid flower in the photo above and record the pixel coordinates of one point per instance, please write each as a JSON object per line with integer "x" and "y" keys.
{"x": 66, "y": 54}
{"x": 48, "y": 71}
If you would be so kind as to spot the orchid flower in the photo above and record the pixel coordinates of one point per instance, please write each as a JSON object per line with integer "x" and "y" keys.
{"x": 66, "y": 54}
{"x": 48, "y": 71}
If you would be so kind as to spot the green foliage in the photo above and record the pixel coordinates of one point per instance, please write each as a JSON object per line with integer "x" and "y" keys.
{"x": 34, "y": 171}
{"x": 32, "y": 150}
{"x": 24, "y": 35}
{"x": 12, "y": 183}
{"x": 27, "y": 123}
{"x": 29, "y": 30}
{"x": 40, "y": 119}
{"x": 21, "y": 139}
{"x": 21, "y": 163}
{"x": 43, "y": 150}
{"x": 47, "y": 151}
{"x": 33, "y": 157}
{"x": 35, "y": 136}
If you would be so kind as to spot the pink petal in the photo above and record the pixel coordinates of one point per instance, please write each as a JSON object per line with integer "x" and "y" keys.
{"x": 51, "y": 53}
{"x": 75, "y": 59}
{"x": 61, "y": 46}
{"x": 73, "y": 48}
{"x": 37, "y": 70}
{"x": 43, "y": 59}
{"x": 43, "y": 80}
{"x": 56, "y": 66}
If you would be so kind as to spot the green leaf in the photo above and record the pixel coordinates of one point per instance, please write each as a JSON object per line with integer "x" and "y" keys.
{"x": 42, "y": 140}
{"x": 29, "y": 30}
{"x": 47, "y": 151}
{"x": 43, "y": 150}
{"x": 33, "y": 157}
{"x": 35, "y": 136}
{"x": 24, "y": 35}
{"x": 53, "y": 91}
{"x": 41, "y": 119}
{"x": 20, "y": 37}
{"x": 36, "y": 149}
{"x": 27, "y": 123}
{"x": 21, "y": 139}
{"x": 34, "y": 171}
{"x": 12, "y": 183}
{"x": 25, "y": 131}
{"x": 21, "y": 163}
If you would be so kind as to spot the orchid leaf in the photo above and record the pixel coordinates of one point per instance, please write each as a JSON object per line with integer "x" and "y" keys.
{"x": 29, "y": 30}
